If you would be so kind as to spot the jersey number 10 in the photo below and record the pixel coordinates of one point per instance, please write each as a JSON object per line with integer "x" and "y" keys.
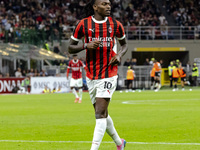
{"x": 107, "y": 85}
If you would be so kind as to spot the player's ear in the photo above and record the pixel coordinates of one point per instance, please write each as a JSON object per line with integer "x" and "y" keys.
{"x": 95, "y": 7}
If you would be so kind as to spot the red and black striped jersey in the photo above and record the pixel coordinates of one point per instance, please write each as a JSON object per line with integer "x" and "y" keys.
{"x": 106, "y": 31}
{"x": 76, "y": 67}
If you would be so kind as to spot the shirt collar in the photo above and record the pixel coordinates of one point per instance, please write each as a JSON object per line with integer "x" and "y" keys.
{"x": 102, "y": 21}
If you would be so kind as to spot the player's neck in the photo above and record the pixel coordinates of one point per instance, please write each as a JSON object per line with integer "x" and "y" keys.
{"x": 75, "y": 61}
{"x": 99, "y": 17}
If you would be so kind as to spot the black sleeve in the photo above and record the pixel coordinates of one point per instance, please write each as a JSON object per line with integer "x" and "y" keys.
{"x": 193, "y": 70}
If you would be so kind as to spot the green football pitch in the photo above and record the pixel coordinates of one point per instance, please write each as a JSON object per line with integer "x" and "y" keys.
{"x": 148, "y": 120}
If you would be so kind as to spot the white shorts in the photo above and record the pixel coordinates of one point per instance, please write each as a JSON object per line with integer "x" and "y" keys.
{"x": 101, "y": 88}
{"x": 76, "y": 82}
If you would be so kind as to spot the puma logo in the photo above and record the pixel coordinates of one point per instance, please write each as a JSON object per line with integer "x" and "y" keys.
{"x": 108, "y": 91}
{"x": 91, "y": 30}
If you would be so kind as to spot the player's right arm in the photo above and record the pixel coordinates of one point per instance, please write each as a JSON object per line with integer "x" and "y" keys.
{"x": 76, "y": 37}
{"x": 75, "y": 48}
{"x": 67, "y": 73}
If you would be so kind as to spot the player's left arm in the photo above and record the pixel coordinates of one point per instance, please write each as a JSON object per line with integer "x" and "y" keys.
{"x": 68, "y": 69}
{"x": 123, "y": 49}
{"x": 120, "y": 34}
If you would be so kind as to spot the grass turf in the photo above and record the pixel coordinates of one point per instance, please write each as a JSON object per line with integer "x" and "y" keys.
{"x": 51, "y": 121}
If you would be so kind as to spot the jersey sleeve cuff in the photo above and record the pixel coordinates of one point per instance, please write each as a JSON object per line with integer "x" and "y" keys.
{"x": 75, "y": 39}
{"x": 121, "y": 37}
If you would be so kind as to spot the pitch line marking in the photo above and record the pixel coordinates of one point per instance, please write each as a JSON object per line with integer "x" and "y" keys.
{"x": 108, "y": 142}
{"x": 158, "y": 100}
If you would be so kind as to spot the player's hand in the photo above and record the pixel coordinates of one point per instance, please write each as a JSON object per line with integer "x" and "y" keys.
{"x": 115, "y": 60}
{"x": 93, "y": 45}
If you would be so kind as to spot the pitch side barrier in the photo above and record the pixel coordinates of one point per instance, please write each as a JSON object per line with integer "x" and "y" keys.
{"x": 8, "y": 84}
{"x": 141, "y": 80}
{"x": 38, "y": 84}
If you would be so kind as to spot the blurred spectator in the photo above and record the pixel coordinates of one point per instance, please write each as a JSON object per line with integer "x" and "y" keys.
{"x": 63, "y": 66}
{"x": 31, "y": 73}
{"x": 56, "y": 49}
{"x": 133, "y": 62}
{"x": 164, "y": 33}
{"x": 161, "y": 63}
{"x": 25, "y": 85}
{"x": 127, "y": 62}
{"x": 170, "y": 34}
{"x": 46, "y": 46}
{"x": 35, "y": 73}
{"x": 146, "y": 62}
{"x": 18, "y": 73}
{"x": 43, "y": 73}
{"x": 2, "y": 35}
{"x": 24, "y": 73}
{"x": 18, "y": 35}
{"x": 162, "y": 19}
{"x": 7, "y": 75}
{"x": 46, "y": 90}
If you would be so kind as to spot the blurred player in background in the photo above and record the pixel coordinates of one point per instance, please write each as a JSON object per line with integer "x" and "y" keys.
{"x": 182, "y": 74}
{"x": 170, "y": 69}
{"x": 130, "y": 77}
{"x": 76, "y": 80}
{"x": 25, "y": 85}
{"x": 175, "y": 75}
{"x": 102, "y": 59}
{"x": 152, "y": 74}
{"x": 46, "y": 90}
{"x": 195, "y": 74}
{"x": 158, "y": 69}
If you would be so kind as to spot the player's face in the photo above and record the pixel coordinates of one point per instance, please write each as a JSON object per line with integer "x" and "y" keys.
{"x": 75, "y": 58}
{"x": 102, "y": 7}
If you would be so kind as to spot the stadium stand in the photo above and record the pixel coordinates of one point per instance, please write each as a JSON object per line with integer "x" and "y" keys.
{"x": 51, "y": 20}
{"x": 186, "y": 13}
{"x": 37, "y": 21}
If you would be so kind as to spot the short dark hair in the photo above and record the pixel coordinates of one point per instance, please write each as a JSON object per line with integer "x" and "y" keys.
{"x": 74, "y": 55}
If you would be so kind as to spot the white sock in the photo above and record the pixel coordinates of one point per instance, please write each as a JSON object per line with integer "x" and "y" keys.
{"x": 99, "y": 131}
{"x": 80, "y": 94}
{"x": 112, "y": 131}
{"x": 74, "y": 92}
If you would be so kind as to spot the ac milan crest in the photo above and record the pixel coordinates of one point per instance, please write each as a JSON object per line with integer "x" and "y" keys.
{"x": 110, "y": 29}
